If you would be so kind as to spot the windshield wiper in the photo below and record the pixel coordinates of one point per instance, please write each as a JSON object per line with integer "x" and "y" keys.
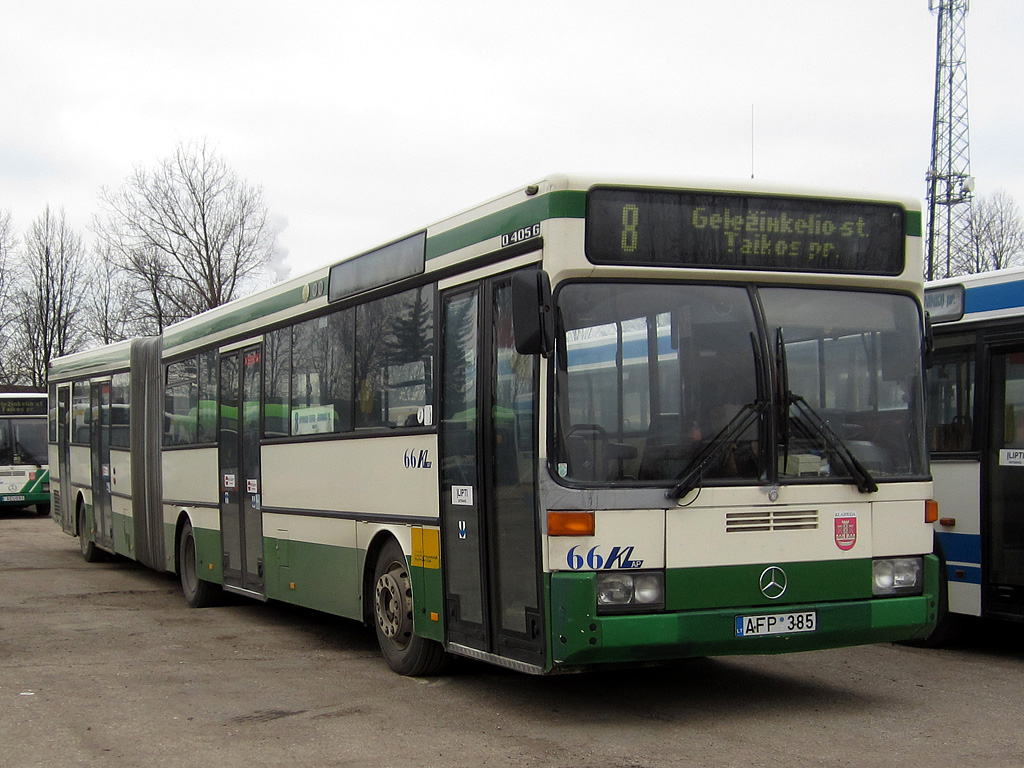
{"x": 865, "y": 482}
{"x": 782, "y": 366}
{"x": 693, "y": 472}
{"x": 23, "y": 454}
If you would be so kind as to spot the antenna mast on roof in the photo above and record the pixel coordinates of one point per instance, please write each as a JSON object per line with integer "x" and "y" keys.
{"x": 950, "y": 184}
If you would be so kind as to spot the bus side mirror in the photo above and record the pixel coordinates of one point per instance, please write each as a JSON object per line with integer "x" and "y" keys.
{"x": 532, "y": 316}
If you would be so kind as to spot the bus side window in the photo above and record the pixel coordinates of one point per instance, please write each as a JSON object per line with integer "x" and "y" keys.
{"x": 955, "y": 436}
{"x": 951, "y": 400}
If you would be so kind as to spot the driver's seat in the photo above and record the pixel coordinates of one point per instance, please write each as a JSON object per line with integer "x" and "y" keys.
{"x": 586, "y": 451}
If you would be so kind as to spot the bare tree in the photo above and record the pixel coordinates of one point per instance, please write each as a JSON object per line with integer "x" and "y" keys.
{"x": 9, "y": 370}
{"x": 109, "y": 304}
{"x": 49, "y": 296}
{"x": 190, "y": 234}
{"x": 995, "y": 237}
{"x": 8, "y": 242}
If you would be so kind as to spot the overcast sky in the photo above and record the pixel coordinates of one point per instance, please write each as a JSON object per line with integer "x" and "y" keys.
{"x": 363, "y": 121}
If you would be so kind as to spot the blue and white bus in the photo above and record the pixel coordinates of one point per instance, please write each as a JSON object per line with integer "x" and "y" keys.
{"x": 976, "y": 427}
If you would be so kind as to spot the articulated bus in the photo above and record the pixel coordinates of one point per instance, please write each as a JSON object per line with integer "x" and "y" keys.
{"x": 976, "y": 415}
{"x": 24, "y": 474}
{"x": 586, "y": 423}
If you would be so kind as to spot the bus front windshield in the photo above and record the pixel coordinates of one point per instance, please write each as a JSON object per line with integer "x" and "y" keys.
{"x": 23, "y": 441}
{"x": 733, "y": 384}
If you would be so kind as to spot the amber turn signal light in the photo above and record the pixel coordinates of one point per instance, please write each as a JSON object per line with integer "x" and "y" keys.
{"x": 570, "y": 523}
{"x": 931, "y": 511}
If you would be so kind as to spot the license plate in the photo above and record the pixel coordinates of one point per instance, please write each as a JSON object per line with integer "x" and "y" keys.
{"x": 12, "y": 498}
{"x": 776, "y": 624}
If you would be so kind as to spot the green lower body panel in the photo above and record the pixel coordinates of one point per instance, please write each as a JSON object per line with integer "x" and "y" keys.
{"x": 124, "y": 536}
{"x": 318, "y": 576}
{"x": 581, "y": 637}
{"x": 428, "y": 596}
{"x": 209, "y": 563}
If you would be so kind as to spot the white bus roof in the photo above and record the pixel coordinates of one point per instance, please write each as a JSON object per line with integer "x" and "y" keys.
{"x": 975, "y": 298}
{"x": 462, "y": 237}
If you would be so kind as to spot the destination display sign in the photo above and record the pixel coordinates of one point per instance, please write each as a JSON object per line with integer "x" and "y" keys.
{"x": 22, "y": 406}
{"x": 734, "y": 231}
{"x": 946, "y": 304}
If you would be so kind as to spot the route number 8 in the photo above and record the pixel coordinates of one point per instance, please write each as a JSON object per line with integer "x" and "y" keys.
{"x": 630, "y": 220}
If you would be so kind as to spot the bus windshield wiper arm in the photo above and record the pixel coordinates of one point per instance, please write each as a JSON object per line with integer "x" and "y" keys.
{"x": 31, "y": 457}
{"x": 865, "y": 482}
{"x": 692, "y": 473}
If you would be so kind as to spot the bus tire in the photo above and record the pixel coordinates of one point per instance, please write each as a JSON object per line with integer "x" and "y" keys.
{"x": 90, "y": 552}
{"x": 198, "y": 593}
{"x": 405, "y": 652}
{"x": 43, "y": 509}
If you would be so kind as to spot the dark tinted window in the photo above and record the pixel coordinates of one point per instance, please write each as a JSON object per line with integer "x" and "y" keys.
{"x": 120, "y": 388}
{"x": 394, "y": 359}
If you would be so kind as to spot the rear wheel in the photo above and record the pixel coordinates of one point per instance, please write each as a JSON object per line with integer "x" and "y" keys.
{"x": 198, "y": 593}
{"x": 90, "y": 552}
{"x": 405, "y": 652}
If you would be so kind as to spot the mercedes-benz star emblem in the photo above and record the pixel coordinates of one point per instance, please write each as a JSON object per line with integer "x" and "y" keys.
{"x": 773, "y": 582}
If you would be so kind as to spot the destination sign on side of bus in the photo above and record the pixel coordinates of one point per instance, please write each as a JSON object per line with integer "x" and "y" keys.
{"x": 733, "y": 231}
{"x": 944, "y": 305}
{"x": 22, "y": 406}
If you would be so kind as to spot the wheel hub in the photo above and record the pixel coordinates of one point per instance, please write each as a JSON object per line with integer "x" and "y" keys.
{"x": 390, "y": 611}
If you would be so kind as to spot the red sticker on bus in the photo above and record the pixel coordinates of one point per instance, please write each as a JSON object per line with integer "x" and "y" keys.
{"x": 846, "y": 530}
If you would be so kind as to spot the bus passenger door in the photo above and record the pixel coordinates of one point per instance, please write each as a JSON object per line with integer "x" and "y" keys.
{"x": 66, "y": 508}
{"x": 488, "y": 494}
{"x": 1003, "y": 540}
{"x": 241, "y": 508}
{"x": 103, "y": 516}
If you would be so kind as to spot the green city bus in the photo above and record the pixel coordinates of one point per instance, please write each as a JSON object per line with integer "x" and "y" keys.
{"x": 586, "y": 423}
{"x": 24, "y": 473}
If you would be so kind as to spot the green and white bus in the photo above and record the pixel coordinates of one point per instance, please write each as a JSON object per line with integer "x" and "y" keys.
{"x": 586, "y": 423}
{"x": 24, "y": 474}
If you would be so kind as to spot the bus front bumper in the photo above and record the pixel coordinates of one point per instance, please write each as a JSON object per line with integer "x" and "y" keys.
{"x": 581, "y": 639}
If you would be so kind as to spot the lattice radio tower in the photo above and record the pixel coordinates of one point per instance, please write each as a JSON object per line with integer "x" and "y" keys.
{"x": 949, "y": 176}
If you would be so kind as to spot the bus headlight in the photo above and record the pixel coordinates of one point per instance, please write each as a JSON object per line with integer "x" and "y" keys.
{"x": 897, "y": 576}
{"x": 630, "y": 592}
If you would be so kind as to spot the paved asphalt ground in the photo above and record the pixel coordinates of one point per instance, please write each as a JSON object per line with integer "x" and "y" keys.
{"x": 105, "y": 665}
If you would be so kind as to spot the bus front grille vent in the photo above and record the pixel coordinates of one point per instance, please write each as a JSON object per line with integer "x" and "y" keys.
{"x": 772, "y": 520}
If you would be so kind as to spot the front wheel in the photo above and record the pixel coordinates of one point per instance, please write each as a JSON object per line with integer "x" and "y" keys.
{"x": 406, "y": 652}
{"x": 198, "y": 593}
